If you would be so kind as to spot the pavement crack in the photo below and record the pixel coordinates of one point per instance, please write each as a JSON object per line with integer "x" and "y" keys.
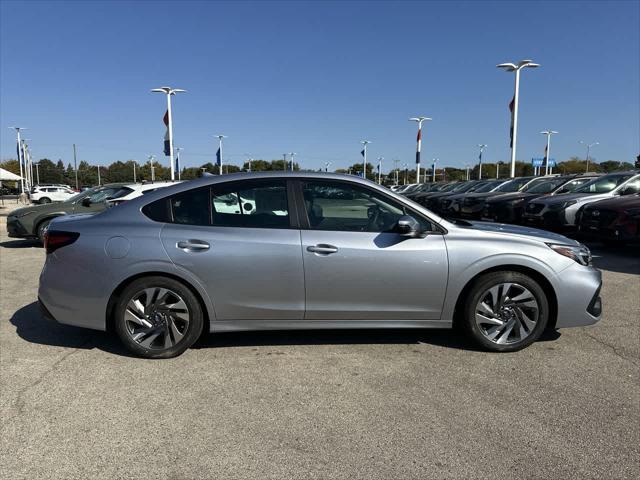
{"x": 612, "y": 348}
{"x": 20, "y": 400}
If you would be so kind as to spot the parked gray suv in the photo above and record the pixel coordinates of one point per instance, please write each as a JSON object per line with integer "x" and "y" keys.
{"x": 306, "y": 251}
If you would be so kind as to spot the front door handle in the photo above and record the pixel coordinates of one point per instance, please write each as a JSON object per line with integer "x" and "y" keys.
{"x": 193, "y": 245}
{"x": 322, "y": 249}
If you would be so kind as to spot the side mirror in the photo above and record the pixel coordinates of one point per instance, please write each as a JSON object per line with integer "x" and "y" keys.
{"x": 86, "y": 202}
{"x": 408, "y": 226}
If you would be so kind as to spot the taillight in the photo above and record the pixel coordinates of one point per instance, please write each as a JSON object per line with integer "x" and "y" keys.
{"x": 55, "y": 239}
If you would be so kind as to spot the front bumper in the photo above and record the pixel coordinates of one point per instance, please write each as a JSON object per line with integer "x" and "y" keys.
{"x": 15, "y": 228}
{"x": 578, "y": 296}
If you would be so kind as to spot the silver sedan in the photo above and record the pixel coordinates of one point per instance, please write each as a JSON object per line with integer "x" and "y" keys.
{"x": 306, "y": 251}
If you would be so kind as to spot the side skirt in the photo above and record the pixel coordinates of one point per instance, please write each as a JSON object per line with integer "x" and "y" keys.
{"x": 246, "y": 325}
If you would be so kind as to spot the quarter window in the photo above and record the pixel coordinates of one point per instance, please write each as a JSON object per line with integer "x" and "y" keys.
{"x": 191, "y": 207}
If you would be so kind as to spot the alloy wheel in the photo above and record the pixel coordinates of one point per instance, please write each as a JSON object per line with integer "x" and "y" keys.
{"x": 507, "y": 313}
{"x": 157, "y": 318}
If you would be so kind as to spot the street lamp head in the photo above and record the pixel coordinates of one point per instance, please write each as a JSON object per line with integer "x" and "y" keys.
{"x": 549, "y": 132}
{"x": 364, "y": 142}
{"x": 167, "y": 90}
{"x": 176, "y": 90}
{"x": 509, "y": 67}
{"x": 220, "y": 137}
{"x": 419, "y": 119}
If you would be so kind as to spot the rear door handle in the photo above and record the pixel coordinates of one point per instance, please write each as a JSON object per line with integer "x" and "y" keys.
{"x": 322, "y": 249}
{"x": 193, "y": 245}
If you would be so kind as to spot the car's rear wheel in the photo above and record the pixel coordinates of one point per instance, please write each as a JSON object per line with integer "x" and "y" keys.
{"x": 158, "y": 317}
{"x": 45, "y": 200}
{"x": 505, "y": 311}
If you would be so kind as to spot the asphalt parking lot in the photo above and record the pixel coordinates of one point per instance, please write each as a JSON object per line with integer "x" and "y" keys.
{"x": 387, "y": 405}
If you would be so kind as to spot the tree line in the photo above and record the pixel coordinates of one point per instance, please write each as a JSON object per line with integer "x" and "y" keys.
{"x": 49, "y": 171}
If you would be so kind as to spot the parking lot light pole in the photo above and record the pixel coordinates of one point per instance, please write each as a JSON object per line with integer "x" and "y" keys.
{"x": 219, "y": 155}
{"x": 482, "y": 147}
{"x": 512, "y": 67}
{"x": 152, "y": 168}
{"x": 419, "y": 120}
{"x": 292, "y": 154}
{"x": 168, "y": 91}
{"x": 433, "y": 167}
{"x": 364, "y": 156}
{"x": 99, "y": 182}
{"x": 589, "y": 145}
{"x": 326, "y": 166}
{"x": 19, "y": 150}
{"x": 548, "y": 133}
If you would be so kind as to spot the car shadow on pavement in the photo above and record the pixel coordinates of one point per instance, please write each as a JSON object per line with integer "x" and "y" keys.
{"x": 624, "y": 259}
{"x": 26, "y": 243}
{"x": 34, "y": 328}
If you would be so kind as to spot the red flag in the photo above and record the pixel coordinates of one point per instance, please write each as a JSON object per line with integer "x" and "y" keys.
{"x": 419, "y": 135}
{"x": 167, "y": 146}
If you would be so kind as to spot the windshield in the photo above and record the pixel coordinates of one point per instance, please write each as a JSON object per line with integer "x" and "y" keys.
{"x": 573, "y": 184}
{"x": 100, "y": 194}
{"x": 487, "y": 187}
{"x": 546, "y": 186}
{"x": 513, "y": 185}
{"x": 604, "y": 184}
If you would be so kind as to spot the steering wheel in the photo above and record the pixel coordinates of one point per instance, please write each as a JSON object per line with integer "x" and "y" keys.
{"x": 373, "y": 218}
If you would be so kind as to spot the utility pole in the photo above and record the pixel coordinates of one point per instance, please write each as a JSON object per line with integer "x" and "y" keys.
{"x": 75, "y": 166}
{"x": 419, "y": 120}
{"x": 292, "y": 154}
{"x": 284, "y": 161}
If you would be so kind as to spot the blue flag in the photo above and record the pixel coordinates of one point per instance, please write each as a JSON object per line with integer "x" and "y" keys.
{"x": 218, "y": 157}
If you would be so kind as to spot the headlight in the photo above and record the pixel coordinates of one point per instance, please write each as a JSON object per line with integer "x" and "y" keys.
{"x": 579, "y": 253}
{"x": 20, "y": 215}
{"x": 562, "y": 205}
{"x": 633, "y": 212}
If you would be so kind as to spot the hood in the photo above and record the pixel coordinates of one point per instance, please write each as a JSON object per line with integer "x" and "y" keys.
{"x": 532, "y": 233}
{"x": 45, "y": 208}
{"x": 564, "y": 197}
{"x": 507, "y": 197}
{"x": 616, "y": 203}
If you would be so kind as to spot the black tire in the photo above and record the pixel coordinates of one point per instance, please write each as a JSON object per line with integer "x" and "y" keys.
{"x": 191, "y": 333}
{"x": 41, "y": 228}
{"x": 481, "y": 287}
{"x": 45, "y": 200}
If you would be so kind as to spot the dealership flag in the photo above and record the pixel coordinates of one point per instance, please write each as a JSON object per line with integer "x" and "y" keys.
{"x": 546, "y": 155}
{"x": 362, "y": 152}
{"x": 511, "y": 108}
{"x": 167, "y": 147}
{"x": 218, "y": 157}
{"x": 178, "y": 162}
{"x": 419, "y": 145}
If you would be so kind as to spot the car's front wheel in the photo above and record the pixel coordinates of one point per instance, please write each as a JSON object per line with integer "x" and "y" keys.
{"x": 158, "y": 317}
{"x": 505, "y": 311}
{"x": 44, "y": 200}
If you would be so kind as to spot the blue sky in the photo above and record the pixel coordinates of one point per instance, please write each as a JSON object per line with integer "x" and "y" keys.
{"x": 317, "y": 77}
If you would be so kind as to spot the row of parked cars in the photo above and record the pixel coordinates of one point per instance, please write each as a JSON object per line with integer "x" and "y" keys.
{"x": 606, "y": 207}
{"x": 32, "y": 221}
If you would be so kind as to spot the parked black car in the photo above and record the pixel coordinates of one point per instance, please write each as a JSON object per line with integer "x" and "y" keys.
{"x": 508, "y": 208}
{"x": 450, "y": 206}
{"x": 430, "y": 199}
{"x": 612, "y": 221}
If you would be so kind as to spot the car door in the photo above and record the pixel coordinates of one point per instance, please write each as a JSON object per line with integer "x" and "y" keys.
{"x": 356, "y": 267}
{"x": 238, "y": 238}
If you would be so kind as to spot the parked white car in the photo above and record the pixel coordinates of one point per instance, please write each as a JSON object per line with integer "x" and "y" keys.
{"x": 137, "y": 189}
{"x": 50, "y": 194}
